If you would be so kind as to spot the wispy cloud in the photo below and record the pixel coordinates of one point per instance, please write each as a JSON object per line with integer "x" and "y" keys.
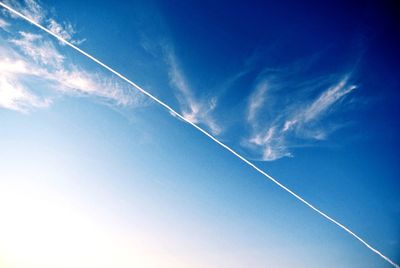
{"x": 14, "y": 96}
{"x": 256, "y": 101}
{"x": 29, "y": 8}
{"x": 325, "y": 101}
{"x": 33, "y": 10}
{"x": 65, "y": 31}
{"x": 29, "y": 59}
{"x": 270, "y": 143}
{"x": 39, "y": 50}
{"x": 3, "y": 24}
{"x": 276, "y": 122}
{"x": 295, "y": 121}
{"x": 193, "y": 109}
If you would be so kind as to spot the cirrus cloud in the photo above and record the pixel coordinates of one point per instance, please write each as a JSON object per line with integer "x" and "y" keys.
{"x": 28, "y": 60}
{"x": 297, "y": 121}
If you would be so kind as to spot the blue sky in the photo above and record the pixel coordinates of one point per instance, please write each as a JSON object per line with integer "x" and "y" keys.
{"x": 93, "y": 174}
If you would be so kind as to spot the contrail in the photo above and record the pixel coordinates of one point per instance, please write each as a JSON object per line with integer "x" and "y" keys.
{"x": 175, "y": 113}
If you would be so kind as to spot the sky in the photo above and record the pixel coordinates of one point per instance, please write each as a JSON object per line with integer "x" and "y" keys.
{"x": 95, "y": 174}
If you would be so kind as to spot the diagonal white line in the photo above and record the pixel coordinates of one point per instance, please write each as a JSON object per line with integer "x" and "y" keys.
{"x": 175, "y": 113}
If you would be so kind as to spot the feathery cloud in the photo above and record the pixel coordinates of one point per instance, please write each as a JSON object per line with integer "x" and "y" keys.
{"x": 14, "y": 96}
{"x": 295, "y": 122}
{"x": 3, "y": 24}
{"x": 197, "y": 111}
{"x": 40, "y": 50}
{"x": 256, "y": 101}
{"x": 29, "y": 8}
{"x": 33, "y": 10}
{"x": 29, "y": 59}
{"x": 326, "y": 100}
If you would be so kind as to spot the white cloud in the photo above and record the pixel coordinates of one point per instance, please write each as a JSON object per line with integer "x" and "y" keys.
{"x": 65, "y": 30}
{"x": 192, "y": 109}
{"x": 31, "y": 64}
{"x": 270, "y": 143}
{"x": 293, "y": 122}
{"x": 3, "y": 24}
{"x": 29, "y": 8}
{"x": 256, "y": 101}
{"x": 40, "y": 50}
{"x": 326, "y": 100}
{"x": 315, "y": 110}
{"x": 12, "y": 66}
{"x": 14, "y": 96}
{"x": 75, "y": 80}
{"x": 33, "y": 10}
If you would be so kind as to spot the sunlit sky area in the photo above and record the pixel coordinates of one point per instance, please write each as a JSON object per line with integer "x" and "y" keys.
{"x": 95, "y": 174}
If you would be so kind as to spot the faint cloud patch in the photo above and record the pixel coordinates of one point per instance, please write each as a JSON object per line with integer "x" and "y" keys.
{"x": 256, "y": 101}
{"x": 4, "y": 24}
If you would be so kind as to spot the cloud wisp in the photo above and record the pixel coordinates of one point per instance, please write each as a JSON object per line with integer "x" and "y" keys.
{"x": 273, "y": 135}
{"x": 4, "y": 24}
{"x": 192, "y": 109}
{"x": 28, "y": 59}
{"x": 256, "y": 101}
{"x": 15, "y": 96}
{"x": 34, "y": 11}
{"x": 29, "y": 8}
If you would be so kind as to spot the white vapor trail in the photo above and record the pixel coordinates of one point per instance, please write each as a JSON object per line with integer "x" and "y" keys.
{"x": 175, "y": 113}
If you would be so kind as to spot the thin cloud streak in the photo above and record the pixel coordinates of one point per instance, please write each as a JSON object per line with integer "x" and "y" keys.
{"x": 192, "y": 109}
{"x": 256, "y": 101}
{"x": 326, "y": 100}
{"x": 3, "y": 24}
